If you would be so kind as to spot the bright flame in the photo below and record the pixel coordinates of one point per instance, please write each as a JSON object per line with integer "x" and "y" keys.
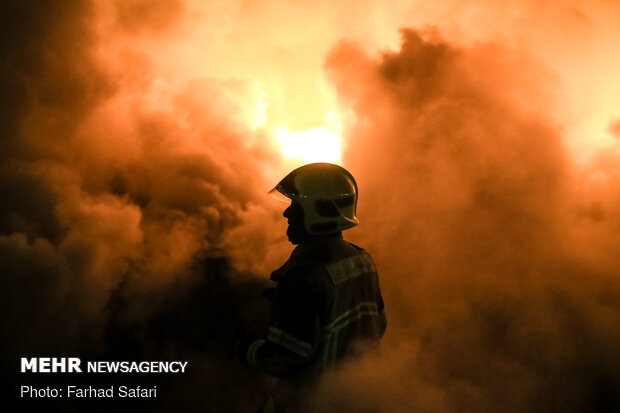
{"x": 318, "y": 144}
{"x": 261, "y": 52}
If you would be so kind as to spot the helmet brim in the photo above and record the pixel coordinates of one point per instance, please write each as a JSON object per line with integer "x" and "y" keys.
{"x": 279, "y": 196}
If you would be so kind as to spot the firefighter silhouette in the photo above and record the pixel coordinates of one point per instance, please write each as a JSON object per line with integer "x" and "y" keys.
{"x": 327, "y": 296}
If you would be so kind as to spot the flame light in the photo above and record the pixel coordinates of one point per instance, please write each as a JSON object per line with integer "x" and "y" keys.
{"x": 318, "y": 144}
{"x": 140, "y": 138}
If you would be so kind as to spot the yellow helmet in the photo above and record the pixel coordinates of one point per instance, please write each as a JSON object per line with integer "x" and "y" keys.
{"x": 326, "y": 192}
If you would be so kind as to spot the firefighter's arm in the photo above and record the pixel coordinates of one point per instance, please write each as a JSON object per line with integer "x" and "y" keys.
{"x": 293, "y": 335}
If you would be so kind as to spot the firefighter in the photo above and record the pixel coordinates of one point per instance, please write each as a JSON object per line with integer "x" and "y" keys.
{"x": 327, "y": 296}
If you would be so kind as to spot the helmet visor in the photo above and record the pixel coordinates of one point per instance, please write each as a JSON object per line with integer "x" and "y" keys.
{"x": 276, "y": 194}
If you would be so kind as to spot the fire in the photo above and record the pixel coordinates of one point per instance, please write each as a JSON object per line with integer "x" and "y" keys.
{"x": 321, "y": 143}
{"x": 318, "y": 144}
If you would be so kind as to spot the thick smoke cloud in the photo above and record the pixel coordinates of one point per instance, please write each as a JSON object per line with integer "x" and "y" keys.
{"x": 500, "y": 271}
{"x": 119, "y": 193}
{"x": 134, "y": 223}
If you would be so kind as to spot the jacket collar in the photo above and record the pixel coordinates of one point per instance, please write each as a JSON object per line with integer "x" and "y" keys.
{"x": 304, "y": 250}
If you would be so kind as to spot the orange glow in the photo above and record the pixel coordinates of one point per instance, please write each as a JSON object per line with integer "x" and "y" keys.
{"x": 269, "y": 57}
{"x": 317, "y": 144}
{"x": 141, "y": 138}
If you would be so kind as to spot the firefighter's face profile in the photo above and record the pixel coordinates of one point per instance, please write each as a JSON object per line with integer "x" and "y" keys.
{"x": 296, "y": 231}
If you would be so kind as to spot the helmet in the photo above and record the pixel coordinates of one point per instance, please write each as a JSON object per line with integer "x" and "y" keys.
{"x": 326, "y": 192}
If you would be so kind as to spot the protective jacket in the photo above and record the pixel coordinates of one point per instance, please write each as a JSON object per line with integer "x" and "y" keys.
{"x": 327, "y": 297}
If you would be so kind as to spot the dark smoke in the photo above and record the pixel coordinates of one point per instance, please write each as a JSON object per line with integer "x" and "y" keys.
{"x": 113, "y": 210}
{"x": 122, "y": 200}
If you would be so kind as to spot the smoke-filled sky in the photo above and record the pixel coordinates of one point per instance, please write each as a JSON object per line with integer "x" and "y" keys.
{"x": 140, "y": 138}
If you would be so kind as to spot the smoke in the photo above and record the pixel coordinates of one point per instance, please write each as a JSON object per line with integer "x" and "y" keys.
{"x": 499, "y": 268}
{"x": 120, "y": 188}
{"x": 138, "y": 146}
